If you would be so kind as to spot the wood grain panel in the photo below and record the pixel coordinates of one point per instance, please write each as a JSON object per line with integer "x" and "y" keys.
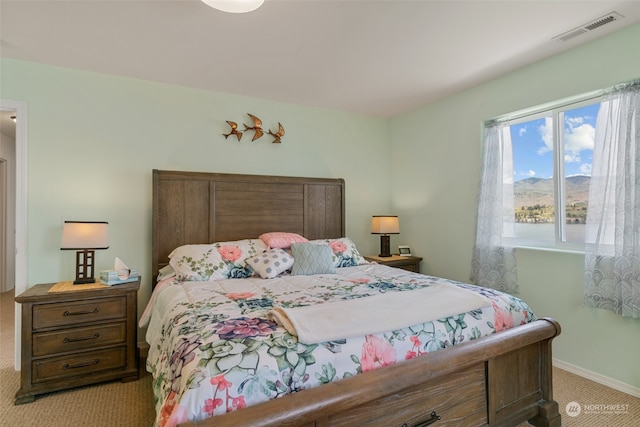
{"x": 315, "y": 223}
{"x": 334, "y": 203}
{"x": 247, "y": 227}
{"x": 252, "y": 190}
{"x": 196, "y": 212}
{"x": 518, "y": 382}
{"x": 459, "y": 400}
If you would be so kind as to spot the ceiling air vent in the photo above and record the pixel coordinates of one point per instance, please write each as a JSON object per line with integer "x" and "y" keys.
{"x": 590, "y": 26}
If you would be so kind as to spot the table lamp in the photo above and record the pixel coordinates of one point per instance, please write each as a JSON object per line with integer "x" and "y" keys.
{"x": 385, "y": 225}
{"x": 84, "y": 237}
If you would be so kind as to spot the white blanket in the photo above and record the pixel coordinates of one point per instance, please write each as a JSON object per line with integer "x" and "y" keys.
{"x": 375, "y": 314}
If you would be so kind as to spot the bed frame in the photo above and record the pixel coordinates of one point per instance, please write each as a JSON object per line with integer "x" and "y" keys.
{"x": 500, "y": 380}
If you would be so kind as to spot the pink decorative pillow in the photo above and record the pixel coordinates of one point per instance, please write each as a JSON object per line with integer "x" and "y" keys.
{"x": 281, "y": 240}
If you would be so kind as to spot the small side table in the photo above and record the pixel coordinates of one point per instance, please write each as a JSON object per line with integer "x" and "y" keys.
{"x": 76, "y": 337}
{"x": 409, "y": 263}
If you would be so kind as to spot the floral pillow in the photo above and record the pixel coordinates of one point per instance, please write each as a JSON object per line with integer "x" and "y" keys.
{"x": 222, "y": 260}
{"x": 345, "y": 253}
{"x": 271, "y": 263}
{"x": 281, "y": 239}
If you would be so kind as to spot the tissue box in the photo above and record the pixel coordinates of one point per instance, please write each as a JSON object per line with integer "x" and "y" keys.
{"x": 110, "y": 277}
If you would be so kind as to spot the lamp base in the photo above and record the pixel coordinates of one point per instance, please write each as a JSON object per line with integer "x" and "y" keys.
{"x": 84, "y": 267}
{"x": 385, "y": 246}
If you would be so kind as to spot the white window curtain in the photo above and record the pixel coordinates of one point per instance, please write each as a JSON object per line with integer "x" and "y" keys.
{"x": 612, "y": 247}
{"x": 494, "y": 263}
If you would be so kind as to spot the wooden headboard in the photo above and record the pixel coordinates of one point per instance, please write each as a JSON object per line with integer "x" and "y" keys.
{"x": 200, "y": 207}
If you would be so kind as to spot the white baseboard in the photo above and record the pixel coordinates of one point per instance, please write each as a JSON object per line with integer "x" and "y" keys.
{"x": 600, "y": 379}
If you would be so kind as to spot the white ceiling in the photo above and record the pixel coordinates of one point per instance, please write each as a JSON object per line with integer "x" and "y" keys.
{"x": 379, "y": 58}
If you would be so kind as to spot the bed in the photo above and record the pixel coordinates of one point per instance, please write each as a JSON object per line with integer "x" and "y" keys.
{"x": 494, "y": 375}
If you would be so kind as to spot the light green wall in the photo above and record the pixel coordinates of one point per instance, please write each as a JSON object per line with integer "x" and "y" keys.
{"x": 94, "y": 139}
{"x": 435, "y": 171}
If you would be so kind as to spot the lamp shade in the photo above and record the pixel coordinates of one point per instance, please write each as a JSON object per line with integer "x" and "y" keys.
{"x": 84, "y": 235}
{"x": 234, "y": 6}
{"x": 385, "y": 224}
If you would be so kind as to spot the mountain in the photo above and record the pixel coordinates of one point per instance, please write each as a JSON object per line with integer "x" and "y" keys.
{"x": 538, "y": 191}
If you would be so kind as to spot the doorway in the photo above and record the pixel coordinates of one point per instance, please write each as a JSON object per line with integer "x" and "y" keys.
{"x": 7, "y": 199}
{"x": 19, "y": 211}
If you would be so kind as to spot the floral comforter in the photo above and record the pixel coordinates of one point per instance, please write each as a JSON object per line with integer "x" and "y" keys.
{"x": 213, "y": 349}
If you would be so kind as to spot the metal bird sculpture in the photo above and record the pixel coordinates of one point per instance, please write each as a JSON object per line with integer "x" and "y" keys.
{"x": 234, "y": 131}
{"x": 278, "y": 135}
{"x": 257, "y": 127}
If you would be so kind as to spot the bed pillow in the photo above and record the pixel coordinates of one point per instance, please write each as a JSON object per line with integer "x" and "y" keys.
{"x": 221, "y": 260}
{"x": 271, "y": 263}
{"x": 345, "y": 253}
{"x": 310, "y": 258}
{"x": 166, "y": 272}
{"x": 282, "y": 240}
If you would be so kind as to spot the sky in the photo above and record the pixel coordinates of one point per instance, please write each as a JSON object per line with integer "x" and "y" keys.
{"x": 532, "y": 144}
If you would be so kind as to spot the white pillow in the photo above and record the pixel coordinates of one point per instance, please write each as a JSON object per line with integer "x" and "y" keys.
{"x": 271, "y": 263}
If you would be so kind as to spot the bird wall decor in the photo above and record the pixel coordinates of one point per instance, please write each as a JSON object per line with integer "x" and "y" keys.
{"x": 258, "y": 132}
{"x": 278, "y": 135}
{"x": 256, "y": 128}
{"x": 234, "y": 131}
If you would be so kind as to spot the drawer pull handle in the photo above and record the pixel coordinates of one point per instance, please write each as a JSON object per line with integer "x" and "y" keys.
{"x": 81, "y": 365}
{"x": 77, "y": 313}
{"x": 93, "y": 337}
{"x": 434, "y": 417}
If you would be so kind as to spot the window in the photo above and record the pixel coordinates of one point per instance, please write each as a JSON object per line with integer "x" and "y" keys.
{"x": 552, "y": 155}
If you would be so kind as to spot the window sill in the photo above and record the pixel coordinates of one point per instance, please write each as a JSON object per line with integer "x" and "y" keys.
{"x": 573, "y": 251}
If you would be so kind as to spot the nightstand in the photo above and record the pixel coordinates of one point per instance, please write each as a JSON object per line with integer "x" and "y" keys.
{"x": 410, "y": 263}
{"x": 76, "y": 335}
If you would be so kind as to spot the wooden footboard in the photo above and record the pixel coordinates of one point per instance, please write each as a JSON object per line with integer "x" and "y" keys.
{"x": 499, "y": 380}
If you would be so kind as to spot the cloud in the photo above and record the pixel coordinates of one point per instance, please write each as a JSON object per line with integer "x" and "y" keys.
{"x": 546, "y": 135}
{"x": 572, "y": 121}
{"x": 522, "y": 130}
{"x": 528, "y": 173}
{"x": 585, "y": 169}
{"x": 576, "y": 140}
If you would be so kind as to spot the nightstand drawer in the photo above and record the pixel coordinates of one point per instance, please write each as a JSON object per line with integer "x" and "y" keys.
{"x": 81, "y": 364}
{"x": 73, "y": 313}
{"x": 46, "y": 343}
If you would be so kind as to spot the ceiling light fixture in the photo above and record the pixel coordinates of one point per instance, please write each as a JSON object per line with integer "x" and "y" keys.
{"x": 234, "y": 6}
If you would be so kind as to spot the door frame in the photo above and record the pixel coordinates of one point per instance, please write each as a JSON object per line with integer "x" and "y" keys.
{"x": 3, "y": 225}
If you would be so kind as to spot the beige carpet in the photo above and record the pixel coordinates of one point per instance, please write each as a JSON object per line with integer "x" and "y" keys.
{"x": 598, "y": 405}
{"x": 116, "y": 404}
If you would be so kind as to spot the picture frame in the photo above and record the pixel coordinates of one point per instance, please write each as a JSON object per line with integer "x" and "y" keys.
{"x": 404, "y": 250}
